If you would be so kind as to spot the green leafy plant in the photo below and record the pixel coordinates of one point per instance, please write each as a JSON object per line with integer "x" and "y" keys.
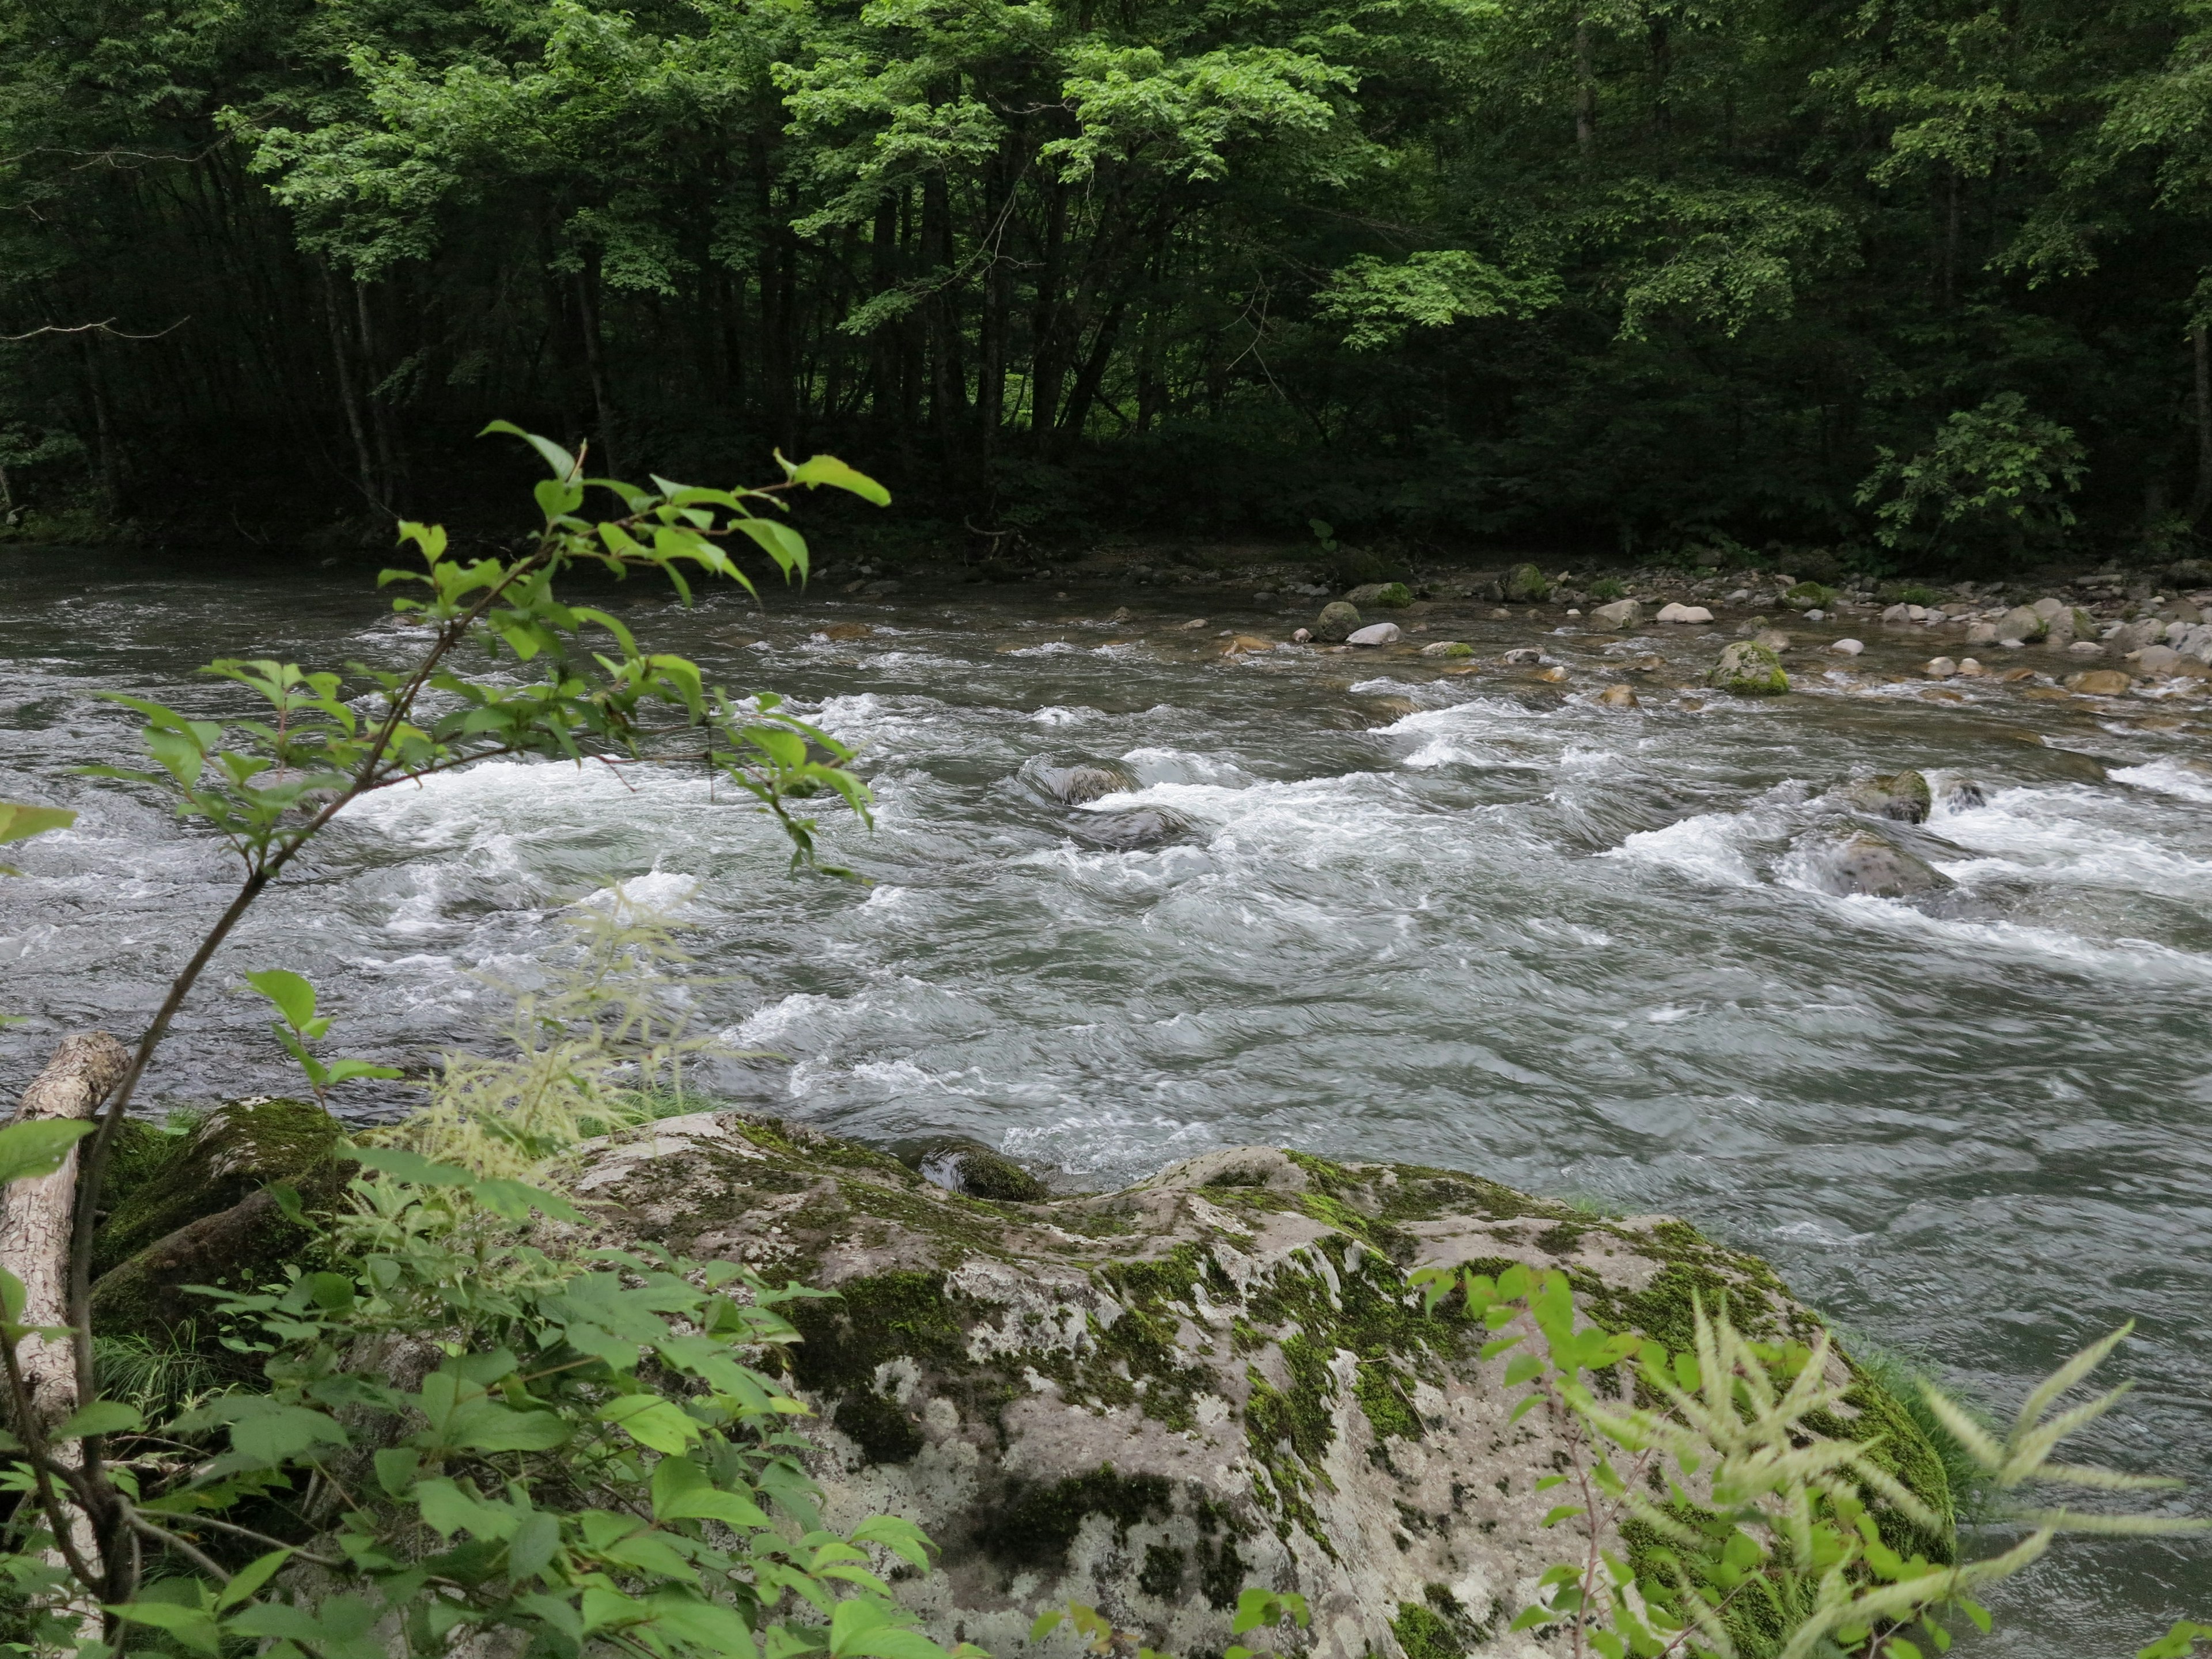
{"x": 20, "y": 822}
{"x": 299, "y": 1024}
{"x": 1721, "y": 1515}
{"x": 1995, "y": 471}
{"x": 507, "y": 666}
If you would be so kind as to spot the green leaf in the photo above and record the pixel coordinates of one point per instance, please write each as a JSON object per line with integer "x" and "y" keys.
{"x": 515, "y": 1199}
{"x": 100, "y": 1417}
{"x": 294, "y": 997}
{"x": 249, "y": 1578}
{"x": 193, "y": 1627}
{"x": 37, "y": 1147}
{"x": 562, "y": 463}
{"x": 819, "y": 469}
{"x": 536, "y": 1540}
{"x": 411, "y": 1167}
{"x": 20, "y": 822}
{"x": 652, "y": 1422}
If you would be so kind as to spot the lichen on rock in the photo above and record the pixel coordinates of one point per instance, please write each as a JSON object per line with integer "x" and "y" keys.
{"x": 1145, "y": 1401}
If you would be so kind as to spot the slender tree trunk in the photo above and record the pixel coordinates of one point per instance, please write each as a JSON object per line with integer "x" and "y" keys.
{"x": 380, "y": 417}
{"x": 110, "y": 473}
{"x": 366, "y": 468}
{"x": 1088, "y": 380}
{"x": 1585, "y": 88}
{"x": 2200, "y": 498}
{"x": 595, "y": 364}
{"x": 1951, "y": 212}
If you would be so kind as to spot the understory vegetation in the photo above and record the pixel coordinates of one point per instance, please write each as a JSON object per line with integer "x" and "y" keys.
{"x": 1914, "y": 283}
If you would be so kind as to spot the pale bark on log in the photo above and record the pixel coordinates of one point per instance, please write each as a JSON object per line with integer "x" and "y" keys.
{"x": 34, "y": 1228}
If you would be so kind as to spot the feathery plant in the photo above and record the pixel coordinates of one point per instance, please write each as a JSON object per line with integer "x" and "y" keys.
{"x": 583, "y": 1053}
{"x": 1722, "y": 1518}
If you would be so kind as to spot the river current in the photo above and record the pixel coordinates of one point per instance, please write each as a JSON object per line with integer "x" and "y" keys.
{"x": 1471, "y": 919}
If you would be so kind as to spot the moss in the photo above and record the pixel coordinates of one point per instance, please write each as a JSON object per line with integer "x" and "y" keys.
{"x": 1423, "y": 1633}
{"x": 987, "y": 1176}
{"x": 1163, "y": 1571}
{"x": 870, "y": 1321}
{"x": 1560, "y": 1240}
{"x": 1035, "y": 1525}
{"x": 1221, "y": 1572}
{"x": 1389, "y": 1412}
{"x": 235, "y": 1151}
{"x": 884, "y": 1430}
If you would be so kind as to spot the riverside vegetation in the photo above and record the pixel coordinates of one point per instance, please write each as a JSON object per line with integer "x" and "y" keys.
{"x": 444, "y": 1422}
{"x": 1912, "y": 280}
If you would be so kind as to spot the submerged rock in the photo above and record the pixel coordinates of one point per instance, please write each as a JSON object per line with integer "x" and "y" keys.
{"x": 1072, "y": 786}
{"x": 1867, "y": 863}
{"x": 1618, "y": 696}
{"x": 1748, "y": 669}
{"x": 1902, "y": 796}
{"x": 1448, "y": 648}
{"x": 1145, "y": 1401}
{"x": 2099, "y": 682}
{"x": 1336, "y": 621}
{"x": 1147, "y": 826}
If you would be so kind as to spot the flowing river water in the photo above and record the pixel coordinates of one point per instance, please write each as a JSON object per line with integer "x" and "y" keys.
{"x": 1351, "y": 903}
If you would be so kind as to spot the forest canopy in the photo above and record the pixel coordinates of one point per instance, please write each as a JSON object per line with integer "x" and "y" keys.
{"x": 1922, "y": 279}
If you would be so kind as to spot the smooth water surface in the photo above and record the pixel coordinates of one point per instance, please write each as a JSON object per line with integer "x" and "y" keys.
{"x": 1475, "y": 921}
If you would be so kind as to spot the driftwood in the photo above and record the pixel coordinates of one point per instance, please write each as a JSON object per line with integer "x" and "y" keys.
{"x": 34, "y": 1226}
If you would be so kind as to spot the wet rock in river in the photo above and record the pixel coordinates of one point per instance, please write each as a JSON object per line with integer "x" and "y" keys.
{"x": 1126, "y": 832}
{"x": 2157, "y": 659}
{"x": 2099, "y": 682}
{"x": 1901, "y": 796}
{"x": 1621, "y": 613}
{"x": 1374, "y": 634}
{"x": 1618, "y": 696}
{"x": 1072, "y": 786}
{"x": 975, "y": 1170}
{"x": 1448, "y": 648}
{"x": 1676, "y": 611}
{"x": 1867, "y": 864}
{"x": 1748, "y": 669}
{"x": 1939, "y": 668}
{"x": 1848, "y": 647}
{"x": 1336, "y": 621}
{"x": 2023, "y": 625}
{"x": 1982, "y": 633}
{"x": 1147, "y": 1400}
{"x": 1381, "y": 595}
{"x": 1961, "y": 794}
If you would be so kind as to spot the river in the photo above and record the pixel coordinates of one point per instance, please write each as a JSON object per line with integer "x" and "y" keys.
{"x": 1469, "y": 920}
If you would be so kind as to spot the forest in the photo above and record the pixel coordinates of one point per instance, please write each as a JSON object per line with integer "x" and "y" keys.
{"x": 1920, "y": 281}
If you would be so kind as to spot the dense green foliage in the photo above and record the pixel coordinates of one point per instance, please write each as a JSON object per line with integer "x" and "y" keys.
{"x": 1620, "y": 275}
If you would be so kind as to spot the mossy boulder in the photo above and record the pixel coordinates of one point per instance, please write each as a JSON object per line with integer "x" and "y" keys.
{"x": 1749, "y": 669}
{"x": 1903, "y": 797}
{"x": 1336, "y": 621}
{"x": 1146, "y": 1400}
{"x": 1524, "y": 584}
{"x": 1380, "y": 596}
{"x": 192, "y": 1207}
{"x": 1810, "y": 596}
{"x": 224, "y": 1159}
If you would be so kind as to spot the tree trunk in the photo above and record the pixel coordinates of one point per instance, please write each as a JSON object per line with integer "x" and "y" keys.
{"x": 35, "y": 1226}
{"x": 353, "y": 423}
{"x": 1585, "y": 89}
{"x": 379, "y": 419}
{"x": 595, "y": 364}
{"x": 2200, "y": 498}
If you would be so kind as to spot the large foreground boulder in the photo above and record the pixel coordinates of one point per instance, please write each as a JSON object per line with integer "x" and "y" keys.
{"x": 1147, "y": 1401}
